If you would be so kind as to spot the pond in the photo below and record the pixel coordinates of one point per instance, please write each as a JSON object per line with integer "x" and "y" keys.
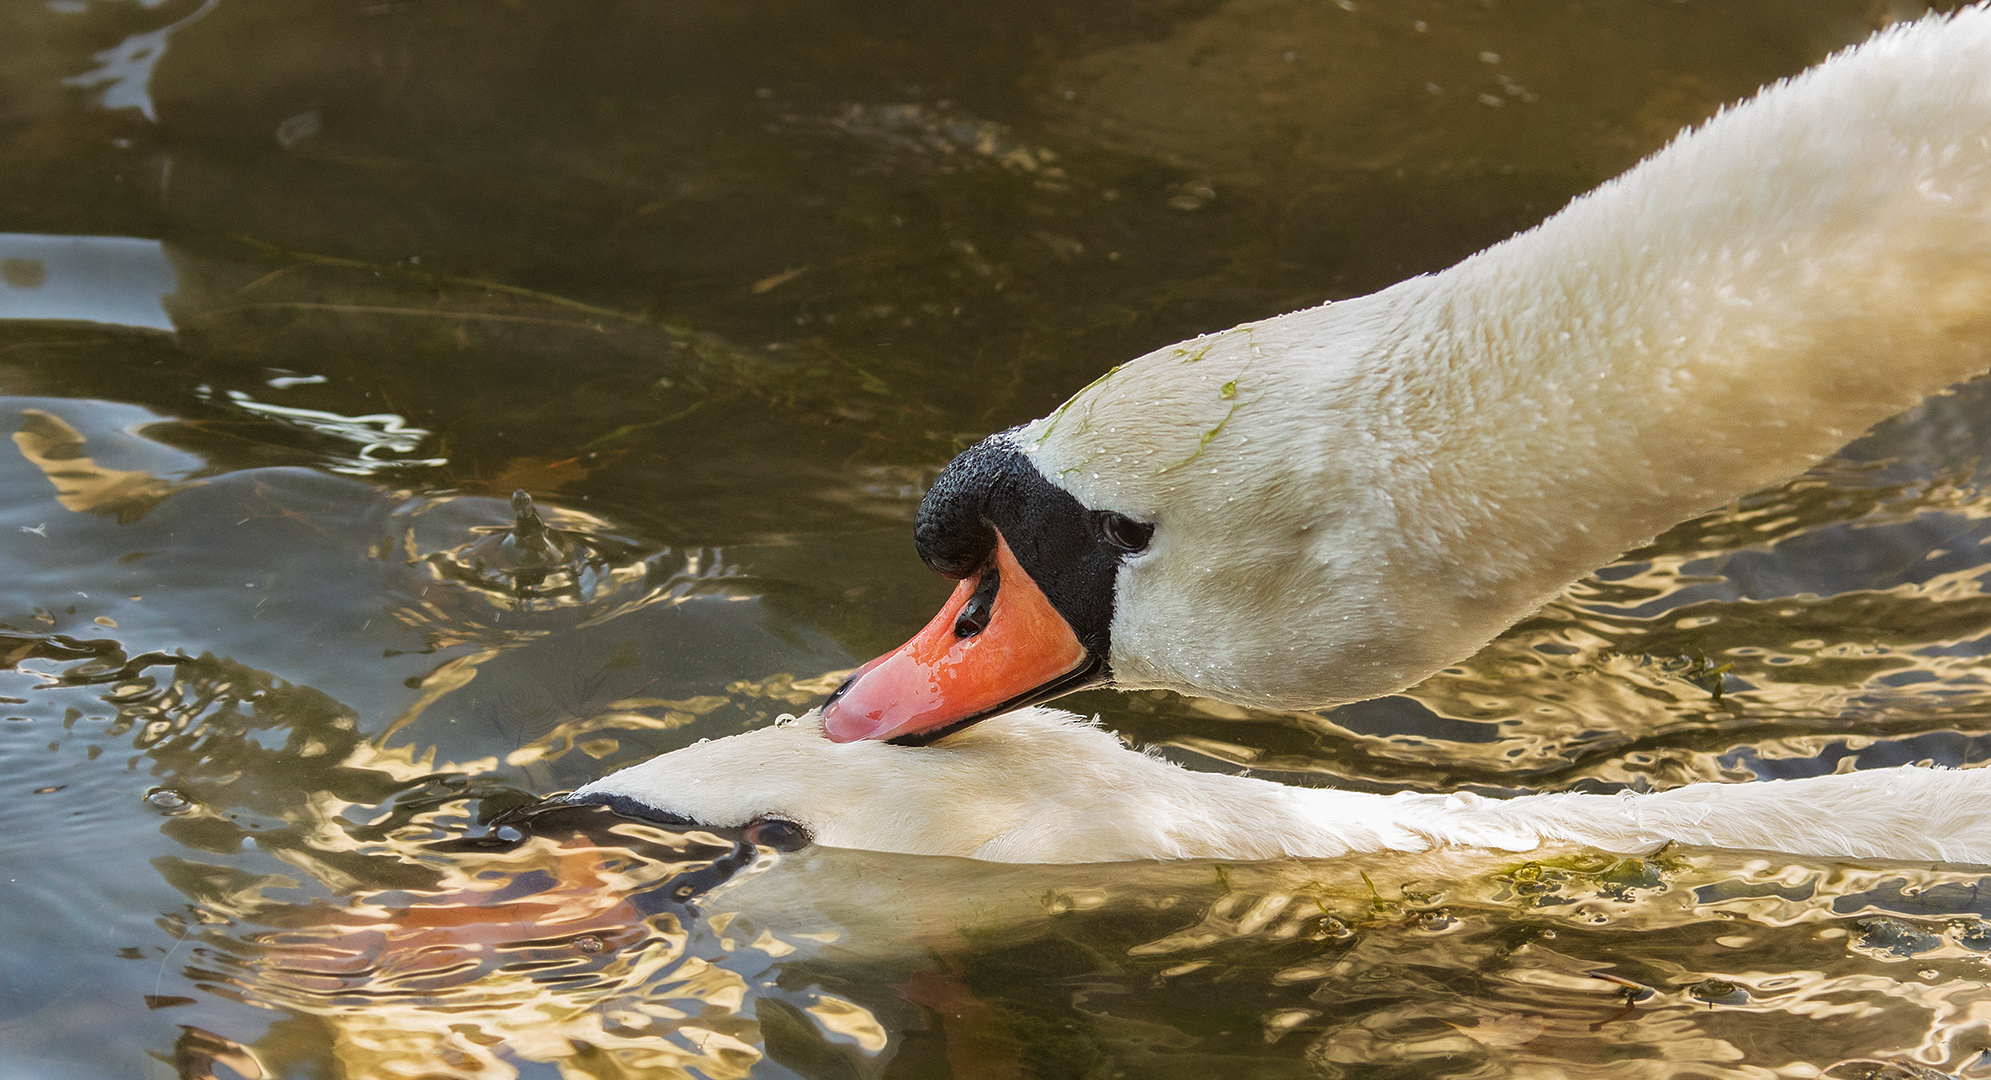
{"x": 297, "y": 294}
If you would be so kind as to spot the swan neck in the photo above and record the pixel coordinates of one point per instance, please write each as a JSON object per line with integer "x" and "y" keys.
{"x": 1738, "y": 306}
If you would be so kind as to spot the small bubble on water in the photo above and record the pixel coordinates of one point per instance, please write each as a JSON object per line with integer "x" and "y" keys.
{"x": 1717, "y": 991}
{"x": 168, "y": 800}
{"x": 1435, "y": 920}
{"x": 588, "y": 943}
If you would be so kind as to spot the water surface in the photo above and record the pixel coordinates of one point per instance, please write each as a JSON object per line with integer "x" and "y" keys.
{"x": 294, "y": 295}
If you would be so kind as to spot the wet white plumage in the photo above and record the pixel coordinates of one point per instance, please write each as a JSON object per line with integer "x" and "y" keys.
{"x": 1351, "y": 497}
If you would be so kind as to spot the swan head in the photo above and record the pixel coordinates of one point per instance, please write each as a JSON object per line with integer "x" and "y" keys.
{"x": 1033, "y": 785}
{"x": 1186, "y": 523}
{"x": 1031, "y": 618}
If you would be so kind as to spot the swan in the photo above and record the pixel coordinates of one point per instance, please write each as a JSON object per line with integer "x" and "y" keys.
{"x": 1038, "y": 785}
{"x": 1332, "y": 504}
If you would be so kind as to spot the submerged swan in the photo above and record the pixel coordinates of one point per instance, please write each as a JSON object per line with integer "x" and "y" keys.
{"x": 1039, "y": 785}
{"x": 1332, "y": 504}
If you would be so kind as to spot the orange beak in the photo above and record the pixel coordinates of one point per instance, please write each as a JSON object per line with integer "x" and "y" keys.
{"x": 945, "y": 678}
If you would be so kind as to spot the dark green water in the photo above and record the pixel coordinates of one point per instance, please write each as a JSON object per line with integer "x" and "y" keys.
{"x": 722, "y": 285}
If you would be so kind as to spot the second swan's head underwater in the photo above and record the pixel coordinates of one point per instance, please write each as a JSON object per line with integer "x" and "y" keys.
{"x": 1044, "y": 786}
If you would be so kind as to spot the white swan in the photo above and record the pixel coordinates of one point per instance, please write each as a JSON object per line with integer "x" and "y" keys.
{"x": 1039, "y": 785}
{"x": 1332, "y": 504}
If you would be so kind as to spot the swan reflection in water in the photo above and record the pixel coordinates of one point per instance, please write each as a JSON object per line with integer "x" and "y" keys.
{"x": 571, "y": 933}
{"x": 607, "y": 948}
{"x": 600, "y": 945}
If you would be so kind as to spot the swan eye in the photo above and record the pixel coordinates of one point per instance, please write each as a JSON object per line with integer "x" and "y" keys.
{"x": 1122, "y": 533}
{"x": 779, "y": 834}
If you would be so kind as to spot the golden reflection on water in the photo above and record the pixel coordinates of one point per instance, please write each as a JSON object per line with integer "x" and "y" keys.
{"x": 1636, "y": 657}
{"x": 370, "y": 909}
{"x": 481, "y": 960}
{"x": 329, "y": 881}
{"x": 564, "y": 947}
{"x": 631, "y": 301}
{"x": 1452, "y": 964}
{"x": 82, "y": 486}
{"x": 639, "y": 714}
{"x": 490, "y": 970}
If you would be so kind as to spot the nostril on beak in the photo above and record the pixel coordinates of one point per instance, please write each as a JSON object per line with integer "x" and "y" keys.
{"x": 840, "y": 691}
{"x": 974, "y": 615}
